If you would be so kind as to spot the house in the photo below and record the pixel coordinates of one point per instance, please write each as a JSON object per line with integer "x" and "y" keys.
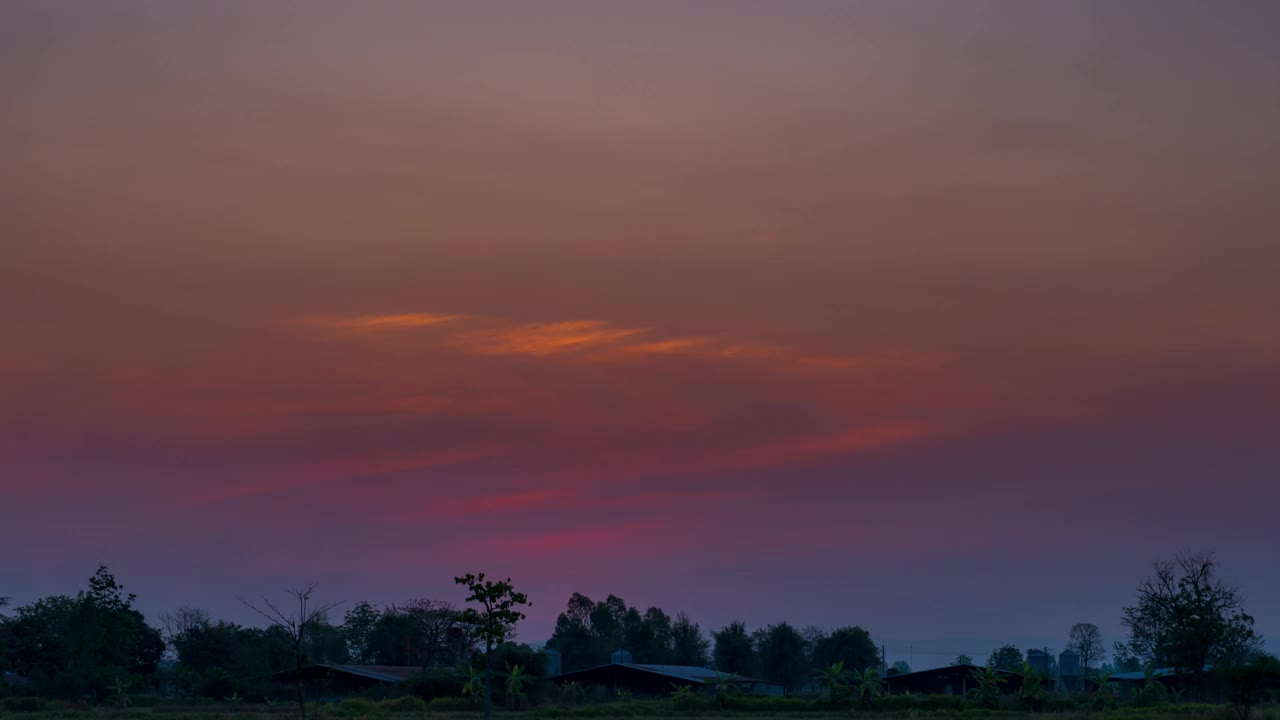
{"x": 643, "y": 679}
{"x": 949, "y": 680}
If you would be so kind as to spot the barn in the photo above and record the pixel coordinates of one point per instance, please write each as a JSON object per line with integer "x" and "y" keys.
{"x": 949, "y": 680}
{"x": 342, "y": 679}
{"x": 641, "y": 679}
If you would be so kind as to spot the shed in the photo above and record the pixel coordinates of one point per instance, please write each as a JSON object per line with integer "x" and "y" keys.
{"x": 348, "y": 678}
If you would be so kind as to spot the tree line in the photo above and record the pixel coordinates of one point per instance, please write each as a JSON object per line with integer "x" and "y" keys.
{"x": 97, "y": 642}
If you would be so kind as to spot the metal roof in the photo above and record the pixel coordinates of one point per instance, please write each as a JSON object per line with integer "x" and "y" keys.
{"x": 688, "y": 673}
{"x": 383, "y": 673}
{"x": 1158, "y": 672}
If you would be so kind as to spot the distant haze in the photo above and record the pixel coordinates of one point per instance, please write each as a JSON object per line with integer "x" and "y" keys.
{"x": 940, "y": 318}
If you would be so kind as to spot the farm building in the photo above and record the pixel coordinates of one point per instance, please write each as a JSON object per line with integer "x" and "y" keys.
{"x": 661, "y": 679}
{"x": 348, "y": 678}
{"x": 949, "y": 680}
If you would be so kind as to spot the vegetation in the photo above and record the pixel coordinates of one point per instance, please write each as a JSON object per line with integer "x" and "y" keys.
{"x": 493, "y": 621}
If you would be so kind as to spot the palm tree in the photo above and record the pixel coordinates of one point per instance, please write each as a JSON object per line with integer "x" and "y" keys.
{"x": 516, "y": 679}
{"x": 1032, "y": 694}
{"x": 835, "y": 678}
{"x": 726, "y": 684}
{"x": 987, "y": 692}
{"x": 868, "y": 684}
{"x": 474, "y": 686}
{"x": 1103, "y": 697}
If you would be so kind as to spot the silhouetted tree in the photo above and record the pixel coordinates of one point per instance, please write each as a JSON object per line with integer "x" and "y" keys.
{"x": 299, "y": 624}
{"x": 688, "y": 645}
{"x": 493, "y": 622}
{"x": 1086, "y": 640}
{"x": 357, "y": 630}
{"x": 1006, "y": 657}
{"x": 734, "y": 651}
{"x": 850, "y": 645}
{"x": 780, "y": 651}
{"x": 1186, "y": 617}
{"x": 962, "y": 660}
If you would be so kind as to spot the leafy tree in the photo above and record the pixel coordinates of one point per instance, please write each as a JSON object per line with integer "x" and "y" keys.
{"x": 734, "y": 651}
{"x": 474, "y": 686}
{"x": 493, "y": 622}
{"x": 1086, "y": 640}
{"x": 902, "y": 667}
{"x": 1125, "y": 659}
{"x": 1103, "y": 698}
{"x": 850, "y": 645}
{"x": 1187, "y": 618}
{"x": 1006, "y": 657}
{"x": 1252, "y": 684}
{"x": 357, "y": 630}
{"x": 962, "y": 660}
{"x": 781, "y": 656}
{"x": 85, "y": 646}
{"x": 835, "y": 679}
{"x": 688, "y": 645}
{"x": 573, "y": 637}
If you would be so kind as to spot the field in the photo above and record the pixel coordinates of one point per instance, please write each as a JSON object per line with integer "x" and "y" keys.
{"x": 399, "y": 709}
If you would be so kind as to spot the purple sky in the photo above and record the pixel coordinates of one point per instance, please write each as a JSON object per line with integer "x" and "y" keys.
{"x": 945, "y": 319}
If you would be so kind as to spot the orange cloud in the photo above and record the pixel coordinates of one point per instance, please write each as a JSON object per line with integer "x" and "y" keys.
{"x": 542, "y": 339}
{"x": 391, "y": 322}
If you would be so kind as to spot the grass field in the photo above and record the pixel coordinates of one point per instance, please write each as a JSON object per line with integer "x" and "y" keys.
{"x": 400, "y": 710}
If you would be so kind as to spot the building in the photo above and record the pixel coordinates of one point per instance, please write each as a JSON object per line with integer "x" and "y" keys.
{"x": 641, "y": 679}
{"x": 949, "y": 680}
{"x": 341, "y": 679}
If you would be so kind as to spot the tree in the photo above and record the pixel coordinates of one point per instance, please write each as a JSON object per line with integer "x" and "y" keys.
{"x": 781, "y": 655}
{"x": 1252, "y": 682}
{"x": 517, "y": 678}
{"x": 298, "y": 624}
{"x": 688, "y": 645}
{"x": 1187, "y": 618}
{"x": 1125, "y": 659}
{"x": 902, "y": 667}
{"x": 493, "y": 622}
{"x": 1006, "y": 657}
{"x": 734, "y": 651}
{"x": 962, "y": 660}
{"x": 835, "y": 679}
{"x": 987, "y": 691}
{"x": 1086, "y": 640}
{"x": 1032, "y": 694}
{"x": 851, "y": 645}
{"x": 86, "y": 646}
{"x": 867, "y": 685}
{"x": 357, "y": 629}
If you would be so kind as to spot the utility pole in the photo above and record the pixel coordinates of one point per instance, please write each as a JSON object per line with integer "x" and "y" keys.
{"x": 884, "y": 662}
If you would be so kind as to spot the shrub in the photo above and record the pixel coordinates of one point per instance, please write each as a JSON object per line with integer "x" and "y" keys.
{"x": 358, "y": 706}
{"x": 406, "y": 703}
{"x": 22, "y": 704}
{"x": 430, "y": 684}
{"x": 450, "y": 704}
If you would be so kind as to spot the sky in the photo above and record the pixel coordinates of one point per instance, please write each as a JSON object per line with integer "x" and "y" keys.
{"x": 945, "y": 319}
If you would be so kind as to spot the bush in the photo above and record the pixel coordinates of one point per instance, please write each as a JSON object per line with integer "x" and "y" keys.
{"x": 406, "y": 703}
{"x": 450, "y": 704}
{"x": 431, "y": 684}
{"x": 357, "y": 706}
{"x": 22, "y": 704}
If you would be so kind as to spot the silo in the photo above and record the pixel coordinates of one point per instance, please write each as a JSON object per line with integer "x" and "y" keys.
{"x": 621, "y": 657}
{"x": 1069, "y": 670}
{"x": 1039, "y": 661}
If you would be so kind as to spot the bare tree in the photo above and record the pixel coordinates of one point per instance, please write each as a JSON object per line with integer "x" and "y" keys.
{"x": 296, "y": 623}
{"x": 435, "y": 619}
{"x": 1086, "y": 640}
